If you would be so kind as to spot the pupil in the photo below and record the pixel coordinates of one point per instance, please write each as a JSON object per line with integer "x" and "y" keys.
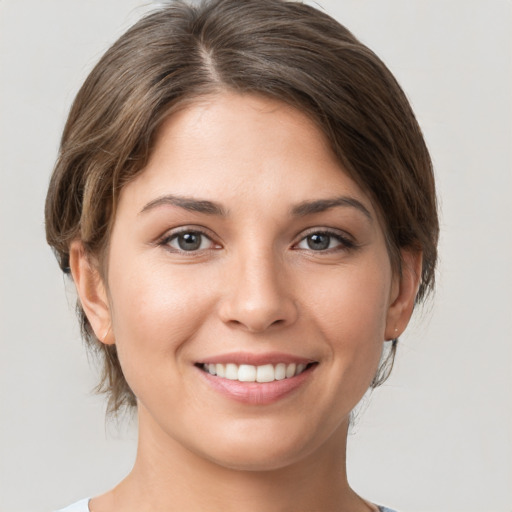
{"x": 189, "y": 241}
{"x": 318, "y": 242}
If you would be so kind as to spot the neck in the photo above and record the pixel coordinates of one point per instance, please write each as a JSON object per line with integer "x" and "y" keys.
{"x": 167, "y": 476}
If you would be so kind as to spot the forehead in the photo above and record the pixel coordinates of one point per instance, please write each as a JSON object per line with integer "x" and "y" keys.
{"x": 229, "y": 123}
{"x": 229, "y": 141}
{"x": 258, "y": 159}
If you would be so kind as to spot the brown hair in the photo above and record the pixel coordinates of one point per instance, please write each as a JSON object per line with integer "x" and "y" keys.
{"x": 285, "y": 50}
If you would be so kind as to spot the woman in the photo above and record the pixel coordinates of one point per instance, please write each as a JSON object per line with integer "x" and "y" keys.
{"x": 247, "y": 208}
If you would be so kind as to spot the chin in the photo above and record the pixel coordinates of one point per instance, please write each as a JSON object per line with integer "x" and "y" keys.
{"x": 256, "y": 460}
{"x": 265, "y": 447}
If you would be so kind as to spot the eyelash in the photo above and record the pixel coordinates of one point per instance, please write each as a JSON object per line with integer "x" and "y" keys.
{"x": 345, "y": 243}
{"x": 165, "y": 242}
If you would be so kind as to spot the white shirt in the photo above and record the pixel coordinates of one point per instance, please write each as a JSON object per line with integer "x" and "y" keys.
{"x": 83, "y": 506}
{"x": 79, "y": 506}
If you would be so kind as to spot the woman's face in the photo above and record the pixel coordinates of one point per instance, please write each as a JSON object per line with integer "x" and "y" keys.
{"x": 244, "y": 253}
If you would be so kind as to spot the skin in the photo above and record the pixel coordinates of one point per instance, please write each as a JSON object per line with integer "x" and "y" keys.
{"x": 255, "y": 285}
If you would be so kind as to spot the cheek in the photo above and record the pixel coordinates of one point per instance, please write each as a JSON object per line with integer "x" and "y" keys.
{"x": 352, "y": 297}
{"x": 351, "y": 314}
{"x": 154, "y": 312}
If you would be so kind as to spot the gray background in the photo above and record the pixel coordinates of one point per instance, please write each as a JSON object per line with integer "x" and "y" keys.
{"x": 437, "y": 436}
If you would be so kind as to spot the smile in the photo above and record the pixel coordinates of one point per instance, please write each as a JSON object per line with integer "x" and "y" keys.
{"x": 256, "y": 380}
{"x": 251, "y": 373}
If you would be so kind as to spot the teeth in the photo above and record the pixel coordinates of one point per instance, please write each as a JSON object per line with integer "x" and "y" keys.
{"x": 247, "y": 373}
{"x": 250, "y": 373}
{"x": 280, "y": 371}
{"x": 231, "y": 371}
{"x": 290, "y": 370}
{"x": 265, "y": 373}
{"x": 220, "y": 370}
{"x": 300, "y": 368}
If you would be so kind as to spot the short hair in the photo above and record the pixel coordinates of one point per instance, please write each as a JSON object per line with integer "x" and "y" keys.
{"x": 280, "y": 49}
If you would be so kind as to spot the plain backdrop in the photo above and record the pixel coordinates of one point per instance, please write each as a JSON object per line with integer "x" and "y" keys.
{"x": 437, "y": 436}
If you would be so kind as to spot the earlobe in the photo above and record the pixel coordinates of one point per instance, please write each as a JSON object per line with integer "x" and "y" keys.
{"x": 91, "y": 292}
{"x": 404, "y": 294}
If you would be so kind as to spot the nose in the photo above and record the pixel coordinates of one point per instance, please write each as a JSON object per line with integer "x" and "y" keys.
{"x": 258, "y": 296}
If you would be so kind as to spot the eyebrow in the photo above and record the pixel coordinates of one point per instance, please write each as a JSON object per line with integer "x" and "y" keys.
{"x": 212, "y": 208}
{"x": 187, "y": 203}
{"x": 321, "y": 205}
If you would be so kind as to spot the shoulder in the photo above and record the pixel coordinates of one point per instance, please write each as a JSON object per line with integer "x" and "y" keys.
{"x": 83, "y": 506}
{"x": 79, "y": 506}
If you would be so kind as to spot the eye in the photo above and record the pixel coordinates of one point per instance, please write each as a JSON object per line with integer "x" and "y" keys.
{"x": 189, "y": 241}
{"x": 323, "y": 241}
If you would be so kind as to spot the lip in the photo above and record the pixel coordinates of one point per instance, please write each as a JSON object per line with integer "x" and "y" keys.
{"x": 256, "y": 393}
{"x": 255, "y": 359}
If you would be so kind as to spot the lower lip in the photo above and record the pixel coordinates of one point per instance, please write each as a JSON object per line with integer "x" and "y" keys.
{"x": 257, "y": 393}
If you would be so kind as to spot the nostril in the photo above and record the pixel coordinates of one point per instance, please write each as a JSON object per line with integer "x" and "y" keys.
{"x": 256, "y": 311}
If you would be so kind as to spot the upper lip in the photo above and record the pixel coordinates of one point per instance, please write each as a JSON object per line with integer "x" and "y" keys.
{"x": 239, "y": 358}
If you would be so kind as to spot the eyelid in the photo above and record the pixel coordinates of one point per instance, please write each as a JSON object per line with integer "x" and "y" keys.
{"x": 175, "y": 232}
{"x": 346, "y": 240}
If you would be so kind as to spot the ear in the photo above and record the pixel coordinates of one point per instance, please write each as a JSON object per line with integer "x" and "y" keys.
{"x": 403, "y": 294}
{"x": 91, "y": 292}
